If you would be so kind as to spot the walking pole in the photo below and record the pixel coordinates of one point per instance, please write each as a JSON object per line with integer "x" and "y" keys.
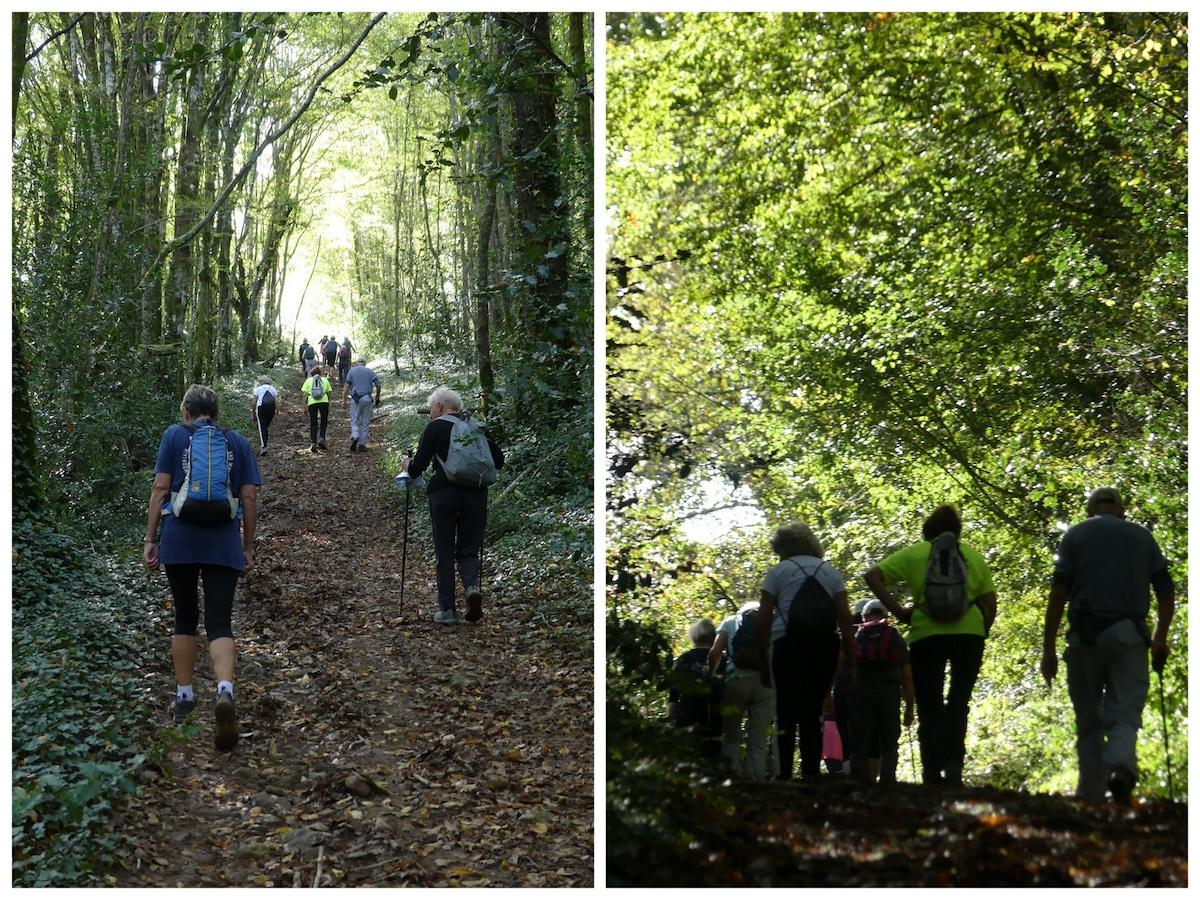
{"x": 1162, "y": 705}
{"x": 912, "y": 756}
{"x": 403, "y": 480}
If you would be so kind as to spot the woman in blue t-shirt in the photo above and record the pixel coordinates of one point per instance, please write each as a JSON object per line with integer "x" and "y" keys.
{"x": 216, "y": 553}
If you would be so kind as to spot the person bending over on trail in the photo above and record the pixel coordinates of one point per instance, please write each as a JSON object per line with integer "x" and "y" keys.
{"x": 804, "y": 608}
{"x": 745, "y": 695}
{"x": 954, "y": 605}
{"x": 457, "y": 510}
{"x": 212, "y": 540}
{"x": 1104, "y": 571}
{"x": 357, "y": 385}
{"x": 263, "y": 405}
{"x": 317, "y": 390}
{"x": 882, "y": 662}
{"x": 343, "y": 360}
{"x": 694, "y": 698}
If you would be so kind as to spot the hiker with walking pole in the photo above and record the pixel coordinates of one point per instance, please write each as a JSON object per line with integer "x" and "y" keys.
{"x": 1103, "y": 574}
{"x": 464, "y": 461}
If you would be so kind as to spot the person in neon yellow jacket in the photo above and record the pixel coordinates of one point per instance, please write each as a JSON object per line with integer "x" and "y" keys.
{"x": 317, "y": 389}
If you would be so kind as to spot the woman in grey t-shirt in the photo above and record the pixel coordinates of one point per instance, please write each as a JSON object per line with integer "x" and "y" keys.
{"x": 803, "y": 647}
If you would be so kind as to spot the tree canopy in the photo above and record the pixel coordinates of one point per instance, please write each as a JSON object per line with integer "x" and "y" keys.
{"x": 865, "y": 264}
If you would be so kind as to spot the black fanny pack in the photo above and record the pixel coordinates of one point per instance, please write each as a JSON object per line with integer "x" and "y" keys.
{"x": 1090, "y": 626}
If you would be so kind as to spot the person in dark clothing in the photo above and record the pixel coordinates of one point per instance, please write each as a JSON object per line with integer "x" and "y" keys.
{"x": 694, "y": 698}
{"x": 458, "y": 512}
{"x": 331, "y": 355}
{"x": 884, "y": 675}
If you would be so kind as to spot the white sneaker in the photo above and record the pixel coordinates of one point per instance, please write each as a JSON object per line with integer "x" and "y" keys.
{"x": 445, "y": 617}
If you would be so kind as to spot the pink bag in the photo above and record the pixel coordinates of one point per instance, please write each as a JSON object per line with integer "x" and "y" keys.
{"x": 831, "y": 744}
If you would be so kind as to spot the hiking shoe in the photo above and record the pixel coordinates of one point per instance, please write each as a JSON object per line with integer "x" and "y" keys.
{"x": 226, "y": 734}
{"x": 321, "y": 445}
{"x": 362, "y": 448}
{"x": 180, "y": 709}
{"x": 312, "y": 448}
{"x": 262, "y": 452}
{"x": 353, "y": 444}
{"x": 445, "y": 617}
{"x": 474, "y": 605}
{"x": 1120, "y": 784}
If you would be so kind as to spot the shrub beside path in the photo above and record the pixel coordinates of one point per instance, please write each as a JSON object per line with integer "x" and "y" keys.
{"x": 377, "y": 748}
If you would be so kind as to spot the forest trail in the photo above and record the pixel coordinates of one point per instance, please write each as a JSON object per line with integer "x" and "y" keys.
{"x": 377, "y": 747}
{"x": 836, "y": 834}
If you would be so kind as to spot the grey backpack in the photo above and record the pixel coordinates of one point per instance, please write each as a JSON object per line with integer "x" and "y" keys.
{"x": 945, "y": 580}
{"x": 469, "y": 461}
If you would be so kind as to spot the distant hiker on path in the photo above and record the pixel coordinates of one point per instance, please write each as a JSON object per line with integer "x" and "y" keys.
{"x": 331, "y": 354}
{"x": 804, "y": 608}
{"x": 210, "y": 539}
{"x": 303, "y": 355}
{"x": 464, "y": 461}
{"x": 343, "y": 360}
{"x": 317, "y": 389}
{"x": 884, "y": 674}
{"x": 1104, "y": 571}
{"x": 694, "y": 698}
{"x": 747, "y": 695}
{"x": 309, "y": 355}
{"x": 358, "y": 386}
{"x": 263, "y": 406}
{"x": 954, "y": 605}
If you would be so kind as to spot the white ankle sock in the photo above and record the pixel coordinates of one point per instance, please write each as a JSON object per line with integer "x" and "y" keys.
{"x": 225, "y": 686}
{"x": 184, "y": 692}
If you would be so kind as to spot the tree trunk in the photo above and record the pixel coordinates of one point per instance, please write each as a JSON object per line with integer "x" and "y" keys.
{"x": 187, "y": 176}
{"x": 20, "y": 26}
{"x": 535, "y": 181}
{"x": 583, "y": 99}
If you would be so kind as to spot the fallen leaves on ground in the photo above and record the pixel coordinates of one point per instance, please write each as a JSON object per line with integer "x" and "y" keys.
{"x": 377, "y": 747}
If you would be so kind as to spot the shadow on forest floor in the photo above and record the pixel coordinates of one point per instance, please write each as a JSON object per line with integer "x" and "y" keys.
{"x": 836, "y": 834}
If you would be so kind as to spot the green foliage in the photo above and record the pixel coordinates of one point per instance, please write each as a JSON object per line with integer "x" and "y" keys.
{"x": 926, "y": 258}
{"x": 80, "y": 638}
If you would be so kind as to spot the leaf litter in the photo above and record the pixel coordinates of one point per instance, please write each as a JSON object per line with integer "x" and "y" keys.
{"x": 378, "y": 748}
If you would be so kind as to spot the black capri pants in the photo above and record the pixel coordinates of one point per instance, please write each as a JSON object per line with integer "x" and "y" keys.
{"x": 262, "y": 417}
{"x": 220, "y": 582}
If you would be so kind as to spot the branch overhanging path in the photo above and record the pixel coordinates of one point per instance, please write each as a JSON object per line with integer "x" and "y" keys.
{"x": 377, "y": 749}
{"x": 266, "y": 142}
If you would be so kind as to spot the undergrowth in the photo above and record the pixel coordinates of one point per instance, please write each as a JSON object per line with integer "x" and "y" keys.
{"x": 84, "y": 626}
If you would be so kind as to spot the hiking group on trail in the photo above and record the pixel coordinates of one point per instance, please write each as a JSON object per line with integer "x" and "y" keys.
{"x": 326, "y": 350}
{"x": 801, "y": 666}
{"x": 204, "y": 502}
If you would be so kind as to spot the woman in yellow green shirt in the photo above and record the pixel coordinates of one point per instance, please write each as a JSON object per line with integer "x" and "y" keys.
{"x": 317, "y": 389}
{"x": 942, "y": 728}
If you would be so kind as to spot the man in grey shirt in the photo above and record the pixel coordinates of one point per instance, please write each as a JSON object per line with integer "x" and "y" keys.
{"x": 359, "y": 382}
{"x": 1104, "y": 570}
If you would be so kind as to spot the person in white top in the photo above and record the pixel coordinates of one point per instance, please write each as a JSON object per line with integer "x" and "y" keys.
{"x": 263, "y": 406}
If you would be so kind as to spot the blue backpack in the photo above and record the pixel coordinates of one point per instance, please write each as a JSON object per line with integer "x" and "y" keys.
{"x": 206, "y": 496}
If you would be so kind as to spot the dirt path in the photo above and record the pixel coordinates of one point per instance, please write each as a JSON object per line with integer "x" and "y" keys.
{"x": 377, "y": 747}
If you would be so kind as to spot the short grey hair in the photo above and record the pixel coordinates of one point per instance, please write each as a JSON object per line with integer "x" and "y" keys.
{"x": 201, "y": 400}
{"x": 264, "y": 379}
{"x": 702, "y": 633}
{"x": 446, "y": 396}
{"x": 796, "y": 539}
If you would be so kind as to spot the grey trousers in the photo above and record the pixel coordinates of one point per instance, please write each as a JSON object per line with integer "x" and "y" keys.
{"x": 360, "y": 418}
{"x": 746, "y": 698}
{"x": 1108, "y": 683}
